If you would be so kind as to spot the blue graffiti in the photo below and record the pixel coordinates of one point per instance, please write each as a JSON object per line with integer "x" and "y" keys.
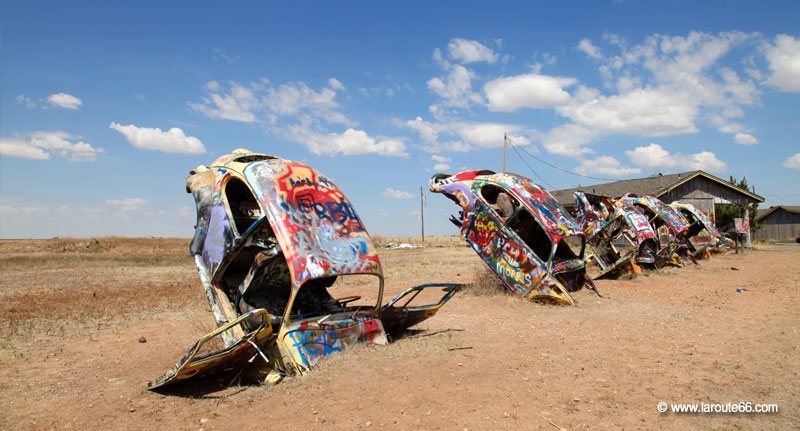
{"x": 308, "y": 344}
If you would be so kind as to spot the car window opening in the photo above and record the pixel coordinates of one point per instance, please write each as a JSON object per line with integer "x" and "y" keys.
{"x": 243, "y": 205}
{"x": 531, "y": 233}
{"x": 500, "y": 200}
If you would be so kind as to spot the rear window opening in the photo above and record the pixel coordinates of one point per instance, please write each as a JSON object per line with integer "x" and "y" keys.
{"x": 531, "y": 233}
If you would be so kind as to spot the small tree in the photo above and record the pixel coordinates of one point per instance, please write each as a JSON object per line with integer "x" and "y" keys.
{"x": 727, "y": 212}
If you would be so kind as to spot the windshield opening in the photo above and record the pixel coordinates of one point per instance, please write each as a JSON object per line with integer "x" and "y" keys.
{"x": 331, "y": 295}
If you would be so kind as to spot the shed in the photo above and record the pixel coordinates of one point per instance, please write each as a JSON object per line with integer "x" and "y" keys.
{"x": 779, "y": 223}
{"x": 695, "y": 187}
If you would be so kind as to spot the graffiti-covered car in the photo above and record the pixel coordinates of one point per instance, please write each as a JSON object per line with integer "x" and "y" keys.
{"x": 275, "y": 242}
{"x": 520, "y": 231}
{"x": 619, "y": 237}
{"x": 670, "y": 227}
{"x": 702, "y": 233}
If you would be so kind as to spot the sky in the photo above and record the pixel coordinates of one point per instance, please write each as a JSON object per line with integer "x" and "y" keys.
{"x": 106, "y": 106}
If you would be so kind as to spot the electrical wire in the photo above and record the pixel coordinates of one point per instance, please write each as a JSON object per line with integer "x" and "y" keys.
{"x": 514, "y": 147}
{"x": 562, "y": 169}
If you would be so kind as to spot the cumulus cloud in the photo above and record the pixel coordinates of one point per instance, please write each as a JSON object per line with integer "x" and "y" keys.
{"x": 440, "y": 167}
{"x": 456, "y": 88}
{"x": 470, "y": 51}
{"x": 606, "y": 166}
{"x": 792, "y": 162}
{"x": 64, "y": 100}
{"x": 783, "y": 58}
{"x": 661, "y": 87}
{"x": 463, "y": 136}
{"x": 527, "y": 91}
{"x": 42, "y": 145}
{"x": 236, "y": 105}
{"x": 655, "y": 156}
{"x": 351, "y": 142}
{"x": 745, "y": 139}
{"x": 170, "y": 141}
{"x": 590, "y": 49}
{"x": 568, "y": 140}
{"x": 397, "y": 194}
{"x": 21, "y": 206}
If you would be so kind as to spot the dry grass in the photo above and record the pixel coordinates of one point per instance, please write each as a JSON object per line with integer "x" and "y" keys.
{"x": 485, "y": 283}
{"x": 430, "y": 241}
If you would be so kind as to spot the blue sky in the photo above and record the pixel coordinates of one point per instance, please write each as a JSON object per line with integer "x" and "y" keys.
{"x": 105, "y": 107}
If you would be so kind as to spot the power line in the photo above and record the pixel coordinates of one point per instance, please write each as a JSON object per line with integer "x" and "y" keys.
{"x": 514, "y": 147}
{"x": 562, "y": 169}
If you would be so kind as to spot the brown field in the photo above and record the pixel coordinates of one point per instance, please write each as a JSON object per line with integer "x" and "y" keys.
{"x": 73, "y": 310}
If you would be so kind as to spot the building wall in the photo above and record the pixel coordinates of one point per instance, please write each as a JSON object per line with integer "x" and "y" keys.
{"x": 780, "y": 225}
{"x": 703, "y": 188}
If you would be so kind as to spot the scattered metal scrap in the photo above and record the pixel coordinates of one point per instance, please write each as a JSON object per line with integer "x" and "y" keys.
{"x": 272, "y": 237}
{"x": 520, "y": 231}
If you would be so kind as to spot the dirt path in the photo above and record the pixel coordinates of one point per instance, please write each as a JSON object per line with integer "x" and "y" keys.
{"x": 484, "y": 362}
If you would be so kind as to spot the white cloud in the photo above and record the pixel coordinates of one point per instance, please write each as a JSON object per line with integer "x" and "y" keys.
{"x": 488, "y": 135}
{"x": 784, "y": 63}
{"x": 527, "y": 91}
{"x": 441, "y": 167}
{"x": 266, "y": 103}
{"x": 792, "y": 162}
{"x": 170, "y": 141}
{"x": 642, "y": 112}
{"x": 440, "y": 159}
{"x": 470, "y": 51}
{"x": 655, "y": 156}
{"x": 42, "y": 145}
{"x": 22, "y": 100}
{"x": 397, "y": 194}
{"x": 590, "y": 49}
{"x": 64, "y": 100}
{"x": 352, "y": 142}
{"x": 455, "y": 88}
{"x": 238, "y": 105}
{"x": 662, "y": 86}
{"x": 745, "y": 139}
{"x": 427, "y": 131}
{"x": 129, "y": 204}
{"x": 568, "y": 140}
{"x": 607, "y": 166}
{"x": 13, "y": 206}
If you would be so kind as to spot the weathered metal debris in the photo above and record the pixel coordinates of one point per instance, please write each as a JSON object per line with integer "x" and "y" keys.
{"x": 704, "y": 236}
{"x": 520, "y": 231}
{"x": 619, "y": 237}
{"x": 272, "y": 238}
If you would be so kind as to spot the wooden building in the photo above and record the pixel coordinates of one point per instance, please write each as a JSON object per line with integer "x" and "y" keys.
{"x": 780, "y": 223}
{"x": 696, "y": 187}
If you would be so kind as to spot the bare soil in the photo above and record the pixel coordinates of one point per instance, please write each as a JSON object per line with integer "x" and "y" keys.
{"x": 73, "y": 311}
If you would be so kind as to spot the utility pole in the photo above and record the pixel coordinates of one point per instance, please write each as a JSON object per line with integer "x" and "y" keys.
{"x": 422, "y": 213}
{"x": 505, "y": 145}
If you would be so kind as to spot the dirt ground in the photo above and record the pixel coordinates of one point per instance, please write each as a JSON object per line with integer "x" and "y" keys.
{"x": 73, "y": 312}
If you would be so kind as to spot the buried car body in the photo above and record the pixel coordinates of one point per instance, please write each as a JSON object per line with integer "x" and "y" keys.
{"x": 274, "y": 238}
{"x": 520, "y": 231}
{"x": 619, "y": 237}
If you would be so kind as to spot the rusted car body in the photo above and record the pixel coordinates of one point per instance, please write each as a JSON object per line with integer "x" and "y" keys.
{"x": 520, "y": 231}
{"x": 669, "y": 225}
{"x": 704, "y": 236}
{"x": 274, "y": 239}
{"x": 619, "y": 237}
